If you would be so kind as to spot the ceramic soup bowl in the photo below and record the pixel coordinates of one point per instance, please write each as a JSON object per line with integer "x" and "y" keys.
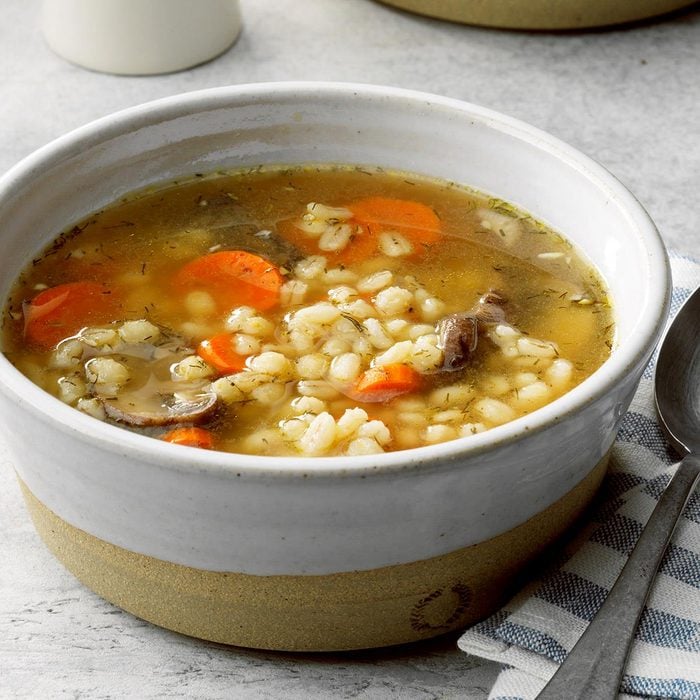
{"x": 322, "y": 553}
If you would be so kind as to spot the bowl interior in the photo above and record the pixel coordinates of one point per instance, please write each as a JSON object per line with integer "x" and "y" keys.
{"x": 328, "y": 123}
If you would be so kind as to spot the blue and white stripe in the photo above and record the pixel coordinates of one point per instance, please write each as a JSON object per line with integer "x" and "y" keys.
{"x": 533, "y": 633}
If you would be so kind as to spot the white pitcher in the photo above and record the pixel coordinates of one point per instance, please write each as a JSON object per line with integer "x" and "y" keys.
{"x": 139, "y": 37}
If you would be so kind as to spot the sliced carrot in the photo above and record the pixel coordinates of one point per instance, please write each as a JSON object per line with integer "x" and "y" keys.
{"x": 233, "y": 278}
{"x": 192, "y": 437}
{"x": 218, "y": 351}
{"x": 59, "y": 312}
{"x": 415, "y": 220}
{"x": 384, "y": 383}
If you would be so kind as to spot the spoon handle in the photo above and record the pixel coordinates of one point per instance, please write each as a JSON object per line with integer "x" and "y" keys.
{"x": 594, "y": 667}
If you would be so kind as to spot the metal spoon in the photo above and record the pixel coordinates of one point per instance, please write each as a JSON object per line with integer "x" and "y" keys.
{"x": 594, "y": 667}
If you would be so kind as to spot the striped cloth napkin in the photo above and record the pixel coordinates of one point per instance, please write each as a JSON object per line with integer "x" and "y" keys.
{"x": 534, "y": 632}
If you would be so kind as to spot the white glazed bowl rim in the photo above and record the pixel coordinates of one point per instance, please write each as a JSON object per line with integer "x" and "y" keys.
{"x": 117, "y": 439}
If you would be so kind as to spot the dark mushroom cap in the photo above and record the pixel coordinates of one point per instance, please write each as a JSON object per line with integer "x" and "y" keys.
{"x": 152, "y": 396}
{"x": 458, "y": 337}
{"x": 160, "y": 409}
{"x": 458, "y": 333}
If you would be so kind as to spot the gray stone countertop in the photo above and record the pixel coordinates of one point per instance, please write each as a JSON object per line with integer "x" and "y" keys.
{"x": 629, "y": 97}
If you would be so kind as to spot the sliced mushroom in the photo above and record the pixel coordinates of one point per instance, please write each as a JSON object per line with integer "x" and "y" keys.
{"x": 252, "y": 238}
{"x": 160, "y": 409}
{"x": 458, "y": 333}
{"x": 457, "y": 336}
{"x": 147, "y": 394}
{"x": 277, "y": 249}
{"x": 490, "y": 308}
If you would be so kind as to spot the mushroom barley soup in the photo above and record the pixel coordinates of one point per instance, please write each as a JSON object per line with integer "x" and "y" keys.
{"x": 308, "y": 311}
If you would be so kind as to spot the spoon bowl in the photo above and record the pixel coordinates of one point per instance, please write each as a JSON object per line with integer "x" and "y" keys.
{"x": 594, "y": 667}
{"x": 677, "y": 385}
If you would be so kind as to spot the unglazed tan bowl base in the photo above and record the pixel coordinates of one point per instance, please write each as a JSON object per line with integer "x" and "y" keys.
{"x": 351, "y": 610}
{"x": 540, "y": 14}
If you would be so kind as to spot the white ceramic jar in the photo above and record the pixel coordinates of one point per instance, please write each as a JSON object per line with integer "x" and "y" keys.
{"x": 139, "y": 37}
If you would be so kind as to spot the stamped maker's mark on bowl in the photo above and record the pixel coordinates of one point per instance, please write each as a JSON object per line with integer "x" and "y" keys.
{"x": 442, "y": 609}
